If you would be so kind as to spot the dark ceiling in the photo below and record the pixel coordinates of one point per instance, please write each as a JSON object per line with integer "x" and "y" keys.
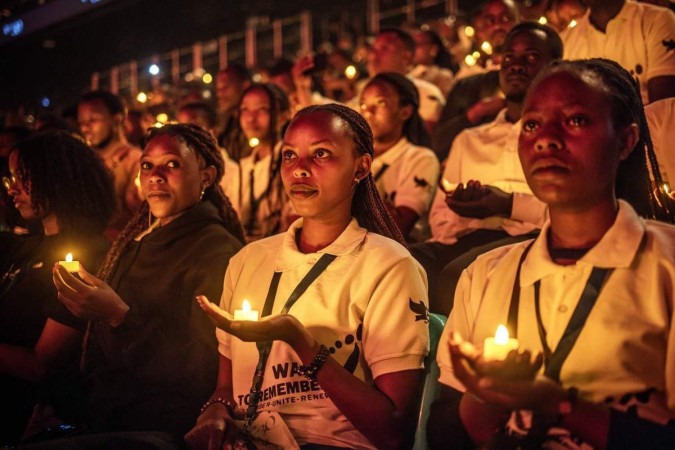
{"x": 57, "y": 62}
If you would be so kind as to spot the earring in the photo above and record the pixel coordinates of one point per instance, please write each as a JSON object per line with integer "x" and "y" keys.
{"x": 149, "y": 218}
{"x": 201, "y": 194}
{"x": 356, "y": 180}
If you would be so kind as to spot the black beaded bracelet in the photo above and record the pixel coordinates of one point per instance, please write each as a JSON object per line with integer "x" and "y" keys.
{"x": 312, "y": 369}
{"x": 229, "y": 405}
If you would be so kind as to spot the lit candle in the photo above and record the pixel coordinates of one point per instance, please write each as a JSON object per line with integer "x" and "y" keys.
{"x": 253, "y": 142}
{"x": 246, "y": 313}
{"x": 498, "y": 347}
{"x": 447, "y": 186}
{"x": 69, "y": 264}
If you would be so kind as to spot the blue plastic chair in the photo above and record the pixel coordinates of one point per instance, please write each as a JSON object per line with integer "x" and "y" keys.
{"x": 431, "y": 387}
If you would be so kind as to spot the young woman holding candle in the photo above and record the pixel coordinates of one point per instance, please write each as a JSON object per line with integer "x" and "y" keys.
{"x": 346, "y": 360}
{"x": 150, "y": 356}
{"x": 57, "y": 182}
{"x": 593, "y": 293}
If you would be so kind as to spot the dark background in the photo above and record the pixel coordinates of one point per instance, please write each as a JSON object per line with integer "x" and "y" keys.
{"x": 122, "y": 30}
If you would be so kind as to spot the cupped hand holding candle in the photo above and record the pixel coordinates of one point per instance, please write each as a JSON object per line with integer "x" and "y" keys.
{"x": 70, "y": 265}
{"x": 498, "y": 347}
{"x": 246, "y": 313}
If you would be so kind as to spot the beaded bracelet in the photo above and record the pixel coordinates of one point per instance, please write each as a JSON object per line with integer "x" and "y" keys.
{"x": 229, "y": 405}
{"x": 312, "y": 369}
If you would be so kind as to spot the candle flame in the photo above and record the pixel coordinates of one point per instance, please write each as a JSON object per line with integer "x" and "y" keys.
{"x": 69, "y": 257}
{"x": 502, "y": 335}
{"x": 486, "y": 47}
{"x": 253, "y": 142}
{"x": 246, "y": 306}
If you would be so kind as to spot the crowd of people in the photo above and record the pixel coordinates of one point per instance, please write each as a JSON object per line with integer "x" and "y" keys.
{"x": 515, "y": 174}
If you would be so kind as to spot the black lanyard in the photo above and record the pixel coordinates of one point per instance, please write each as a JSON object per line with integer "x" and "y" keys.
{"x": 265, "y": 347}
{"x": 380, "y": 172}
{"x": 553, "y": 360}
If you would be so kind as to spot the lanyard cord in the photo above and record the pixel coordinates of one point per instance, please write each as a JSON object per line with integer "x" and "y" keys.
{"x": 265, "y": 347}
{"x": 553, "y": 360}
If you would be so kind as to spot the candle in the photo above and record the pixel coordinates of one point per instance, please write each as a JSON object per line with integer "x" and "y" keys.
{"x": 246, "y": 313}
{"x": 447, "y": 186}
{"x": 253, "y": 142}
{"x": 69, "y": 264}
{"x": 496, "y": 348}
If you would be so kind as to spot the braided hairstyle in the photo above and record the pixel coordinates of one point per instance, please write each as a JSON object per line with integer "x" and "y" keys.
{"x": 367, "y": 205}
{"x": 633, "y": 182}
{"x": 414, "y": 128}
{"x": 202, "y": 143}
{"x": 64, "y": 176}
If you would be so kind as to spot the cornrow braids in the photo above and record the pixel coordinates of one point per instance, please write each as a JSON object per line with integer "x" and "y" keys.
{"x": 204, "y": 146}
{"x": 639, "y": 180}
{"x": 367, "y": 205}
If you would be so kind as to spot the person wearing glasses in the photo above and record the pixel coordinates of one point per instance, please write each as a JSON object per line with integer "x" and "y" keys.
{"x": 60, "y": 187}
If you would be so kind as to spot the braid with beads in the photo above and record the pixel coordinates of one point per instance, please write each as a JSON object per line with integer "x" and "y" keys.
{"x": 204, "y": 146}
{"x": 367, "y": 205}
{"x": 633, "y": 182}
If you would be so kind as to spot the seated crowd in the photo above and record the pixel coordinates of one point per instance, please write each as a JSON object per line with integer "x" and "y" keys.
{"x": 260, "y": 273}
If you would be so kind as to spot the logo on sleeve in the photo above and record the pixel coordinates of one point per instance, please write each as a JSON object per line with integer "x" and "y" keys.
{"x": 420, "y": 309}
{"x": 420, "y": 182}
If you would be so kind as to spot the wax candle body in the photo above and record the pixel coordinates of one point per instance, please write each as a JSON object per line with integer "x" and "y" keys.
{"x": 246, "y": 313}
{"x": 69, "y": 264}
{"x": 498, "y": 347}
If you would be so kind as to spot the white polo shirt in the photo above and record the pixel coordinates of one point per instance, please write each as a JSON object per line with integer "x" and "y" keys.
{"x": 640, "y": 38}
{"x": 487, "y": 153}
{"x": 627, "y": 346}
{"x": 407, "y": 175}
{"x": 369, "y": 307}
{"x": 661, "y": 121}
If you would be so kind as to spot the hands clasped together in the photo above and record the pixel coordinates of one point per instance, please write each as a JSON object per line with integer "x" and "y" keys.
{"x": 480, "y": 201}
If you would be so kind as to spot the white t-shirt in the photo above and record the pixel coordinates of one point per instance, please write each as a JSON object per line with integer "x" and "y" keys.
{"x": 487, "y": 153}
{"x": 369, "y": 307}
{"x": 407, "y": 175}
{"x": 640, "y": 38}
{"x": 627, "y": 346}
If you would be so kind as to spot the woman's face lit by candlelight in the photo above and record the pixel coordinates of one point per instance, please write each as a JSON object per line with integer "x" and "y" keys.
{"x": 569, "y": 146}
{"x": 171, "y": 177}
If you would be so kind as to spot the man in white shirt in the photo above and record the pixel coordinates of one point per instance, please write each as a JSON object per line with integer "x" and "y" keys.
{"x": 490, "y": 204}
{"x": 639, "y": 36}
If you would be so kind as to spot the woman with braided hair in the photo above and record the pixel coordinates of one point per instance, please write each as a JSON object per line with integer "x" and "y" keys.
{"x": 150, "y": 356}
{"x": 341, "y": 346}
{"x": 593, "y": 295}
{"x": 405, "y": 170}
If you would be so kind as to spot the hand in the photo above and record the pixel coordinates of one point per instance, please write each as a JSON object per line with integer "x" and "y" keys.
{"x": 492, "y": 382}
{"x": 283, "y": 327}
{"x": 215, "y": 430}
{"x": 479, "y": 201}
{"x": 300, "y": 71}
{"x": 487, "y": 107}
{"x": 89, "y": 298}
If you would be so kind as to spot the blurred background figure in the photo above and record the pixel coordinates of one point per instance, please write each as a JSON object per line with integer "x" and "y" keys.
{"x": 432, "y": 60}
{"x": 230, "y": 83}
{"x": 100, "y": 115}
